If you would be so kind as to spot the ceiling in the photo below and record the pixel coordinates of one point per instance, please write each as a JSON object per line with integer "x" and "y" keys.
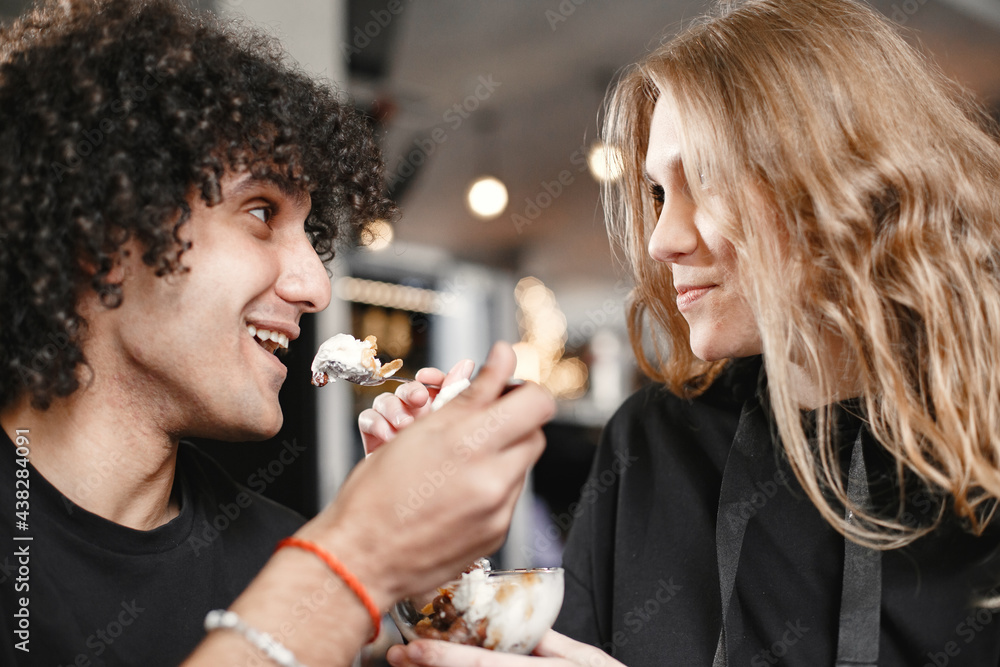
{"x": 513, "y": 87}
{"x": 548, "y": 64}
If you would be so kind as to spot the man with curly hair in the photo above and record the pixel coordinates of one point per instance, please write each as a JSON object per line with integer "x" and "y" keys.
{"x": 170, "y": 189}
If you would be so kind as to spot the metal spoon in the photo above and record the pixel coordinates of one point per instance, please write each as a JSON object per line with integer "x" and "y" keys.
{"x": 338, "y": 371}
{"x": 335, "y": 370}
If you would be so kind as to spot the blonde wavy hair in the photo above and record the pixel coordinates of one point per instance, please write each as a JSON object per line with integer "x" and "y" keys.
{"x": 859, "y": 188}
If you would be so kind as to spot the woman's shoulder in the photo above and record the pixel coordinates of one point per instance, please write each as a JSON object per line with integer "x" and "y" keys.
{"x": 665, "y": 427}
{"x": 737, "y": 383}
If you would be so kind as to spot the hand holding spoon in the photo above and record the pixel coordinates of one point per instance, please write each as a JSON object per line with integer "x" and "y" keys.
{"x": 343, "y": 357}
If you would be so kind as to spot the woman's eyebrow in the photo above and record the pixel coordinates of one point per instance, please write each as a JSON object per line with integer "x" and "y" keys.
{"x": 671, "y": 164}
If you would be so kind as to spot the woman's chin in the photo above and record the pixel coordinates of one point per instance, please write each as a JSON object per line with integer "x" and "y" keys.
{"x": 714, "y": 350}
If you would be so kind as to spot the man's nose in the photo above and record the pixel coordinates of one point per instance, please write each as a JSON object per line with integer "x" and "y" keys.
{"x": 304, "y": 280}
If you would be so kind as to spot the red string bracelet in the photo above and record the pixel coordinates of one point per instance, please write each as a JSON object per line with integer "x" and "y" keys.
{"x": 342, "y": 572}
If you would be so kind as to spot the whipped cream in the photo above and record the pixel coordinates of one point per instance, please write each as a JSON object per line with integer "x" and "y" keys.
{"x": 519, "y": 607}
{"x": 344, "y": 356}
{"x": 343, "y": 349}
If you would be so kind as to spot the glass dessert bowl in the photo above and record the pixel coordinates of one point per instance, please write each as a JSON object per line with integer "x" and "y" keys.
{"x": 501, "y": 610}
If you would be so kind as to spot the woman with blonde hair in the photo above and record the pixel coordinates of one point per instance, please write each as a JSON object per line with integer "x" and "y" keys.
{"x": 810, "y": 212}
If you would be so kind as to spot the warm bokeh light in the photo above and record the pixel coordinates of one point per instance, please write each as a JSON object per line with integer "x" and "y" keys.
{"x": 605, "y": 162}
{"x": 487, "y": 197}
{"x": 377, "y": 235}
{"x": 568, "y": 378}
{"x": 392, "y": 328}
{"x": 388, "y": 295}
{"x": 528, "y": 367}
{"x": 543, "y": 339}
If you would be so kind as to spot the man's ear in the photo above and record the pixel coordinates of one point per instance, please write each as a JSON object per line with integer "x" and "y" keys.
{"x": 117, "y": 273}
{"x": 113, "y": 278}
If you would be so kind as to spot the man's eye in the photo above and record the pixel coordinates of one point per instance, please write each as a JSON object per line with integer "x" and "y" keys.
{"x": 261, "y": 212}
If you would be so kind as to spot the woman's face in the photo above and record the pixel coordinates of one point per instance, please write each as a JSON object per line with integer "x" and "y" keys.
{"x": 689, "y": 240}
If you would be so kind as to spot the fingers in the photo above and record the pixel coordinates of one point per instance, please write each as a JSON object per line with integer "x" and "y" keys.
{"x": 509, "y": 422}
{"x": 492, "y": 376}
{"x": 415, "y": 394}
{"x": 391, "y": 412}
{"x": 460, "y": 371}
{"x": 555, "y": 645}
{"x": 394, "y": 410}
{"x": 431, "y": 653}
{"x": 519, "y": 456}
{"x": 511, "y": 419}
{"x": 532, "y": 404}
{"x": 375, "y": 430}
{"x": 380, "y": 423}
{"x": 432, "y": 376}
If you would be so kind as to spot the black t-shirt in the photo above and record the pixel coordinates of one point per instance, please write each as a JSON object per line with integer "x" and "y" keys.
{"x": 99, "y": 593}
{"x": 642, "y": 578}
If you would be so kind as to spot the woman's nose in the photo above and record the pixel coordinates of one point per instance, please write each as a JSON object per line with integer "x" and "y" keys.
{"x": 675, "y": 234}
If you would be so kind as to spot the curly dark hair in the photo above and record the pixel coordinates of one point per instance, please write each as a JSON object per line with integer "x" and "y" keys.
{"x": 113, "y": 115}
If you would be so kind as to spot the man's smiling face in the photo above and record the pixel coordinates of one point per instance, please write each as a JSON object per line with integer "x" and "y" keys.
{"x": 189, "y": 345}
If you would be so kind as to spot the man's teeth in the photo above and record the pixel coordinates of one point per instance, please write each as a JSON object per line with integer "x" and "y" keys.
{"x": 266, "y": 336}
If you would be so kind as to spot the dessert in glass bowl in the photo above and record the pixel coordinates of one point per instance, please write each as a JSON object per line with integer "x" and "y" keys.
{"x": 501, "y": 610}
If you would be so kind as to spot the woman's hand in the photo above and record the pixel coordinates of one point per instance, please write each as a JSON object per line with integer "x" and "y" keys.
{"x": 555, "y": 650}
{"x": 391, "y": 412}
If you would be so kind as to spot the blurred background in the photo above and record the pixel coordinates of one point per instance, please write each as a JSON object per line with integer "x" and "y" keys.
{"x": 487, "y": 113}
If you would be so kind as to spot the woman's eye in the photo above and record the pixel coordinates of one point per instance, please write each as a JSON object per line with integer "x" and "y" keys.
{"x": 657, "y": 192}
{"x": 263, "y": 213}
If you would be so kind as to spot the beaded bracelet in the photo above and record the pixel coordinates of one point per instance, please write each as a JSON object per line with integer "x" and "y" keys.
{"x": 338, "y": 568}
{"x": 265, "y": 643}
